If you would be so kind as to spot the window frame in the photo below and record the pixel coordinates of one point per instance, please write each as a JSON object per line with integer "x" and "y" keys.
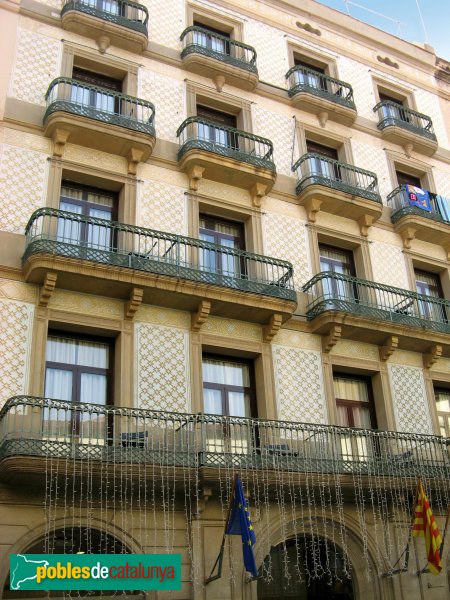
{"x": 311, "y": 59}
{"x": 444, "y": 414}
{"x": 216, "y": 21}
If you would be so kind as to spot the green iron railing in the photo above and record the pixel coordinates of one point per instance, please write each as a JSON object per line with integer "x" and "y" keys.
{"x": 401, "y": 206}
{"x": 42, "y": 427}
{"x": 391, "y": 113}
{"x": 108, "y": 106}
{"x": 314, "y": 169}
{"x": 196, "y": 133}
{"x": 303, "y": 79}
{"x": 338, "y": 292}
{"x": 199, "y": 40}
{"x": 120, "y": 12}
{"x": 59, "y": 233}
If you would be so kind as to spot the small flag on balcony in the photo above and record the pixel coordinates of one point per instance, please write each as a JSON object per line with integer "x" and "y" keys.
{"x": 425, "y": 526}
{"x": 239, "y": 523}
{"x": 418, "y": 197}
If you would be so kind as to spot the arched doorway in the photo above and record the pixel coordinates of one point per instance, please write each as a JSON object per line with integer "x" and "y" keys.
{"x": 316, "y": 569}
{"x": 70, "y": 540}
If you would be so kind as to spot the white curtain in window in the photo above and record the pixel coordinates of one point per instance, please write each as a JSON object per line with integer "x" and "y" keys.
{"x": 212, "y": 401}
{"x": 61, "y": 350}
{"x": 99, "y": 236}
{"x": 92, "y": 354}
{"x": 224, "y": 372}
{"x": 238, "y": 404}
{"x": 93, "y": 388}
{"x": 67, "y": 230}
{"x": 58, "y": 384}
{"x": 350, "y": 389}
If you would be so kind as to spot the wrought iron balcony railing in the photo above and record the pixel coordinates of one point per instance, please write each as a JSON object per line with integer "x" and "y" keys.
{"x": 198, "y": 40}
{"x": 314, "y": 169}
{"x": 401, "y": 206}
{"x": 59, "y": 233}
{"x": 196, "y": 133}
{"x": 42, "y": 427}
{"x": 303, "y": 79}
{"x": 120, "y": 12}
{"x": 108, "y": 106}
{"x": 338, "y": 292}
{"x": 391, "y": 113}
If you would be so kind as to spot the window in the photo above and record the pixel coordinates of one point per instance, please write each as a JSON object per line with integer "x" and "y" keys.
{"x": 339, "y": 262}
{"x": 227, "y": 387}
{"x": 219, "y": 134}
{"x": 86, "y": 96}
{"x": 313, "y": 80}
{"x": 429, "y": 284}
{"x": 88, "y": 202}
{"x": 210, "y": 40}
{"x": 393, "y": 110}
{"x": 324, "y": 167}
{"x": 355, "y": 408}
{"x": 408, "y": 179}
{"x": 443, "y": 410}
{"x": 224, "y": 233}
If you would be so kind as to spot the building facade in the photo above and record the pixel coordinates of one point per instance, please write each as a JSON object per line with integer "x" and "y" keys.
{"x": 225, "y": 238}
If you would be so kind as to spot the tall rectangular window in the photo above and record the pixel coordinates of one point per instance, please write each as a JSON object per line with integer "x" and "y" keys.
{"x": 101, "y": 96}
{"x": 217, "y": 131}
{"x": 212, "y": 38}
{"x": 429, "y": 284}
{"x": 443, "y": 410}
{"x": 223, "y": 233}
{"x": 339, "y": 262}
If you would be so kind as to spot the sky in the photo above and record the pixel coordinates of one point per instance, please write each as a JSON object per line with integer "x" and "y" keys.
{"x": 404, "y": 19}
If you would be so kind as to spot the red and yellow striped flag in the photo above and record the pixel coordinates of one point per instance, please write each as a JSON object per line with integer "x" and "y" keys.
{"x": 425, "y": 526}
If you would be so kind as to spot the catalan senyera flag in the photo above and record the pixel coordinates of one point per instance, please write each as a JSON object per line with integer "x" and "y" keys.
{"x": 425, "y": 526}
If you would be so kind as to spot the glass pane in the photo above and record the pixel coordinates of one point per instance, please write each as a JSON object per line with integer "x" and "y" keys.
{"x": 238, "y": 404}
{"x": 58, "y": 384}
{"x": 443, "y": 401}
{"x": 224, "y": 372}
{"x": 212, "y": 401}
{"x": 91, "y": 354}
{"x": 350, "y": 389}
{"x": 68, "y": 230}
{"x": 98, "y": 235}
{"x": 93, "y": 388}
{"x": 61, "y": 350}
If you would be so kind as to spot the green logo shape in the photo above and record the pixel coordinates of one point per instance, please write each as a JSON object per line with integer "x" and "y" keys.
{"x": 95, "y": 572}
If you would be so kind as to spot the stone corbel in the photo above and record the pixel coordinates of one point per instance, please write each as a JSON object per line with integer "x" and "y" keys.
{"x": 134, "y": 157}
{"x": 133, "y": 303}
{"x": 331, "y": 339}
{"x": 365, "y": 222}
{"x": 60, "y": 138}
{"x": 407, "y": 234}
{"x": 103, "y": 43}
{"x": 312, "y": 206}
{"x": 257, "y": 192}
{"x": 408, "y": 148}
{"x": 198, "y": 318}
{"x": 219, "y": 82}
{"x": 389, "y": 348}
{"x": 47, "y": 289}
{"x": 272, "y": 327}
{"x": 433, "y": 356}
{"x": 195, "y": 173}
{"x": 309, "y": 28}
{"x": 323, "y": 118}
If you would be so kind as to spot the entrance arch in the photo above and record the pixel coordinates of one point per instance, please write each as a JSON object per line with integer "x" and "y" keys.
{"x": 289, "y": 562}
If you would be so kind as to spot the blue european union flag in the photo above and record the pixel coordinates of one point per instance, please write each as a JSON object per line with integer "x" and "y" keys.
{"x": 239, "y": 523}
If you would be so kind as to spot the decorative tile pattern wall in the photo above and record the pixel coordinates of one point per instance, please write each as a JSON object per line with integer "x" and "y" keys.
{"x": 442, "y": 181}
{"x": 368, "y": 156}
{"x": 163, "y": 207}
{"x": 410, "y": 401}
{"x": 272, "y": 57}
{"x": 280, "y": 130}
{"x": 25, "y": 192}
{"x": 299, "y": 385}
{"x": 40, "y": 56}
{"x": 286, "y": 238}
{"x": 354, "y": 349}
{"x": 428, "y": 104}
{"x": 157, "y": 315}
{"x": 102, "y": 160}
{"x": 167, "y": 21}
{"x": 162, "y": 368}
{"x": 231, "y": 328}
{"x": 388, "y": 265}
{"x": 167, "y": 94}
{"x": 16, "y": 321}
{"x": 87, "y": 304}
{"x": 358, "y": 76}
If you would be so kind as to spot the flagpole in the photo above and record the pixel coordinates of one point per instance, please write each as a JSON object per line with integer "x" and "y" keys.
{"x": 415, "y": 540}
{"x": 219, "y": 559}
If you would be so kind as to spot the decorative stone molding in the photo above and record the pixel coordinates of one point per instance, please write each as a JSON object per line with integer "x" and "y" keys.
{"x": 323, "y": 118}
{"x": 103, "y": 43}
{"x": 219, "y": 82}
{"x": 257, "y": 192}
{"x": 47, "y": 289}
{"x": 133, "y": 303}
{"x": 387, "y": 61}
{"x": 407, "y": 234}
{"x": 272, "y": 327}
{"x": 309, "y": 28}
{"x": 330, "y": 340}
{"x": 408, "y": 148}
{"x": 198, "y": 318}
{"x": 312, "y": 206}
{"x": 389, "y": 348}
{"x": 60, "y": 138}
{"x": 433, "y": 356}
{"x": 365, "y": 222}
{"x": 134, "y": 157}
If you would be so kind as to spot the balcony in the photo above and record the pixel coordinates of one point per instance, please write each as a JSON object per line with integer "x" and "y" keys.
{"x": 121, "y": 23}
{"x": 355, "y": 304}
{"x": 429, "y": 223}
{"x": 33, "y": 429}
{"x": 338, "y": 188}
{"x": 225, "y": 154}
{"x": 217, "y": 56}
{"x": 317, "y": 93}
{"x": 98, "y": 118}
{"x": 108, "y": 258}
{"x": 404, "y": 126}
